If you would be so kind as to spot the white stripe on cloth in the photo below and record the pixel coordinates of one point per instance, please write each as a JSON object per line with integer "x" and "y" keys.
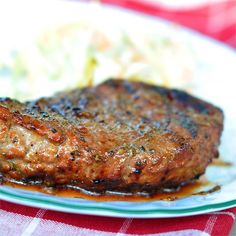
{"x": 231, "y": 214}
{"x": 125, "y": 227}
{"x": 15, "y": 224}
{"x": 210, "y": 224}
{"x": 34, "y": 223}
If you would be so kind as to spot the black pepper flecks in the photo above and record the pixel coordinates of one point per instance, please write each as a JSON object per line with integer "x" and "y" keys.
{"x": 152, "y": 151}
{"x": 142, "y": 148}
{"x": 44, "y": 114}
{"x": 145, "y": 120}
{"x": 97, "y": 181}
{"x": 137, "y": 171}
{"x": 138, "y": 163}
{"x": 82, "y": 103}
{"x": 15, "y": 140}
{"x": 53, "y": 130}
{"x": 129, "y": 88}
{"x": 110, "y": 153}
{"x": 75, "y": 154}
{"x": 76, "y": 110}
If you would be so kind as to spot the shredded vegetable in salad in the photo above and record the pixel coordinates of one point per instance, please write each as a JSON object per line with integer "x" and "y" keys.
{"x": 84, "y": 54}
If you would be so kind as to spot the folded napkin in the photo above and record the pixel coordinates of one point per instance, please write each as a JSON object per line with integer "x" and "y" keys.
{"x": 215, "y": 18}
{"x": 21, "y": 220}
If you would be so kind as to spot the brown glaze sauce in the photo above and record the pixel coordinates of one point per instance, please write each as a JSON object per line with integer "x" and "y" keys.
{"x": 184, "y": 191}
{"x": 221, "y": 163}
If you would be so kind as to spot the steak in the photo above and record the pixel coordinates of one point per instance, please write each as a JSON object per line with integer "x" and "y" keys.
{"x": 118, "y": 136}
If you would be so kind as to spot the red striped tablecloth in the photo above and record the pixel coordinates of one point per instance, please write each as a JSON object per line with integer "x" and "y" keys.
{"x": 21, "y": 220}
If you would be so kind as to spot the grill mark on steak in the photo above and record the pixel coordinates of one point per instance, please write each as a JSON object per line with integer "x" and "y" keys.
{"x": 188, "y": 101}
{"x": 118, "y": 136}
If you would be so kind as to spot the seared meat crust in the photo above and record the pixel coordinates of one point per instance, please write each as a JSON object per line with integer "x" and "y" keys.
{"x": 119, "y": 136}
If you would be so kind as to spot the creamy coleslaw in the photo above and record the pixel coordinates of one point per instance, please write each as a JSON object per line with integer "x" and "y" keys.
{"x": 87, "y": 53}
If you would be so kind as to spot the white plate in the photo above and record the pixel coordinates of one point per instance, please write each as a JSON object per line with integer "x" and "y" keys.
{"x": 216, "y": 72}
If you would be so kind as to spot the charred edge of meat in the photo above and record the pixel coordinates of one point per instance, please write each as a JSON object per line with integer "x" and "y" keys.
{"x": 86, "y": 133}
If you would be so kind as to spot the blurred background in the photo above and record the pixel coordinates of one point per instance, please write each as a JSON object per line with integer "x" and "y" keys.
{"x": 216, "y": 18}
{"x": 48, "y": 46}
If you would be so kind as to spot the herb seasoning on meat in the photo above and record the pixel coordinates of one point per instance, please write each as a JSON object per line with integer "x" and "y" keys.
{"x": 105, "y": 139}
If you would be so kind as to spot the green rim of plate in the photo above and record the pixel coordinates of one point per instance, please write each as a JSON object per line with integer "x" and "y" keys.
{"x": 74, "y": 207}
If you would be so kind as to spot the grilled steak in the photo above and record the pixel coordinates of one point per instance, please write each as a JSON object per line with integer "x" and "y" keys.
{"x": 118, "y": 136}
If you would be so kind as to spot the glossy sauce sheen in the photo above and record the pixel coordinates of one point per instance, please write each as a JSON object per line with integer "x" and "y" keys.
{"x": 184, "y": 191}
{"x": 118, "y": 136}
